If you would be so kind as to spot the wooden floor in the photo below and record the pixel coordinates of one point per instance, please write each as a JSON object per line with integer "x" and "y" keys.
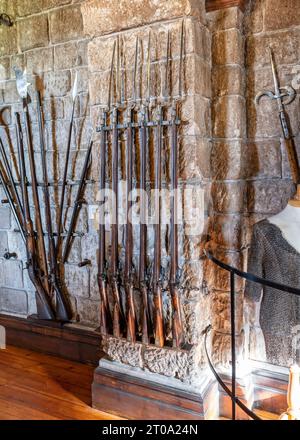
{"x": 34, "y": 386}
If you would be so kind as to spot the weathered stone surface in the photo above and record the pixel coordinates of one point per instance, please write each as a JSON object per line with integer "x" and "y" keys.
{"x": 57, "y": 83}
{"x": 263, "y": 159}
{"x": 194, "y": 158}
{"x": 5, "y": 218}
{"x": 100, "y": 18}
{"x": 229, "y": 197}
{"x": 229, "y": 231}
{"x": 171, "y": 363}
{"x": 196, "y": 318}
{"x": 29, "y": 7}
{"x": 11, "y": 273}
{"x": 3, "y": 242}
{"x": 65, "y": 56}
{"x": 125, "y": 352}
{"x": 53, "y": 109}
{"x": 254, "y": 17}
{"x": 229, "y": 160}
{"x": 228, "y": 80}
{"x": 33, "y": 32}
{"x": 284, "y": 44}
{"x": 39, "y": 61}
{"x": 269, "y": 197}
{"x": 13, "y": 301}
{"x": 221, "y": 314}
{"x": 196, "y": 111}
{"x": 228, "y": 47}
{"x": 88, "y": 311}
{"x": 4, "y": 70}
{"x": 77, "y": 280}
{"x": 221, "y": 349}
{"x": 280, "y": 14}
{"x": 225, "y": 19}
{"x": 66, "y": 24}
{"x": 229, "y": 117}
{"x": 8, "y": 40}
{"x": 47, "y": 4}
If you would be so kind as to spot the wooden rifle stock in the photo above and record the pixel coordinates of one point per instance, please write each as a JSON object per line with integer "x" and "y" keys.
{"x": 105, "y": 316}
{"x": 40, "y": 233}
{"x": 118, "y": 315}
{"x": 44, "y": 308}
{"x": 177, "y": 331}
{"x": 78, "y": 203}
{"x": 62, "y": 308}
{"x": 143, "y": 284}
{"x": 157, "y": 291}
{"x": 131, "y": 317}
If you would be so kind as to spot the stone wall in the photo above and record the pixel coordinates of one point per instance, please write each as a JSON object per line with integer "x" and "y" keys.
{"x": 229, "y": 148}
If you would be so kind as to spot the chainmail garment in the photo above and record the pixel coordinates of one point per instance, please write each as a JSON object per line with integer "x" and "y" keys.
{"x": 273, "y": 258}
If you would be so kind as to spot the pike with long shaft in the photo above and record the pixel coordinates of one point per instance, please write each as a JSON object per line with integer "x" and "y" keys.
{"x": 105, "y": 316}
{"x": 144, "y": 145}
{"x": 61, "y": 305}
{"x": 130, "y": 307}
{"x": 177, "y": 330}
{"x": 66, "y": 168}
{"x": 118, "y": 314}
{"x": 22, "y": 87}
{"x": 78, "y": 203}
{"x": 283, "y": 96}
{"x": 44, "y": 307}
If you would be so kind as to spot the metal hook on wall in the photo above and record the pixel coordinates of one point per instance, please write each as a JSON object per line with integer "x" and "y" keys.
{"x": 6, "y": 20}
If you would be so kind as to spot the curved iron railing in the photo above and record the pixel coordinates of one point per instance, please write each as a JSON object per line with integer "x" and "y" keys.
{"x": 249, "y": 277}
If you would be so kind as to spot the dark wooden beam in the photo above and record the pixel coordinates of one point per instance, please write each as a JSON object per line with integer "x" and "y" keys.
{"x": 215, "y": 5}
{"x": 65, "y": 341}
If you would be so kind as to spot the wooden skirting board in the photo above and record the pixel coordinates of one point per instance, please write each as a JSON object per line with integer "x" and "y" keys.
{"x": 66, "y": 341}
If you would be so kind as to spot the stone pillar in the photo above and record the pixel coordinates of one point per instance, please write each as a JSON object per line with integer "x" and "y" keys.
{"x": 136, "y": 19}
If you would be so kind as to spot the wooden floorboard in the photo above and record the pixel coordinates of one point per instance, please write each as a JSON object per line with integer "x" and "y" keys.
{"x": 35, "y": 386}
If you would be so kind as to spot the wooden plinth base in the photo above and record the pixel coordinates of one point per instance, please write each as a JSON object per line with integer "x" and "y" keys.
{"x": 136, "y": 395}
{"x": 63, "y": 340}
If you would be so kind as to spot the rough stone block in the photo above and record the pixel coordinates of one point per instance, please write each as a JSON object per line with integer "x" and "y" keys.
{"x": 8, "y": 40}
{"x": 229, "y": 117}
{"x": 3, "y": 242}
{"x": 39, "y": 61}
{"x": 220, "y": 311}
{"x": 229, "y": 197}
{"x": 192, "y": 310}
{"x": 123, "y": 351}
{"x": 13, "y": 301}
{"x": 11, "y": 273}
{"x": 10, "y": 92}
{"x": 228, "y": 47}
{"x": 254, "y": 21}
{"x": 194, "y": 157}
{"x": 229, "y": 231}
{"x": 66, "y": 24}
{"x": 284, "y": 45}
{"x": 5, "y": 218}
{"x": 196, "y": 111}
{"x": 48, "y": 4}
{"x": 65, "y": 56}
{"x": 57, "y": 83}
{"x": 269, "y": 197}
{"x": 77, "y": 280}
{"x": 33, "y": 32}
{"x": 228, "y": 80}
{"x": 99, "y": 18}
{"x": 4, "y": 70}
{"x": 281, "y": 14}
{"x": 170, "y": 363}
{"x": 229, "y": 160}
{"x": 88, "y": 311}
{"x": 223, "y": 19}
{"x": 263, "y": 159}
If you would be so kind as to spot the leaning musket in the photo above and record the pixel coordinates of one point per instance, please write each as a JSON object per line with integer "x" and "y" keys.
{"x": 44, "y": 307}
{"x": 144, "y": 133}
{"x": 279, "y": 94}
{"x": 62, "y": 308}
{"x": 157, "y": 270}
{"x": 130, "y": 307}
{"x": 105, "y": 316}
{"x": 118, "y": 314}
{"x": 77, "y": 203}
{"x": 66, "y": 168}
{"x": 177, "y": 330}
{"x": 22, "y": 87}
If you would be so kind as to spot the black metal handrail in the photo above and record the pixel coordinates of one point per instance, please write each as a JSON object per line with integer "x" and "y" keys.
{"x": 249, "y": 277}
